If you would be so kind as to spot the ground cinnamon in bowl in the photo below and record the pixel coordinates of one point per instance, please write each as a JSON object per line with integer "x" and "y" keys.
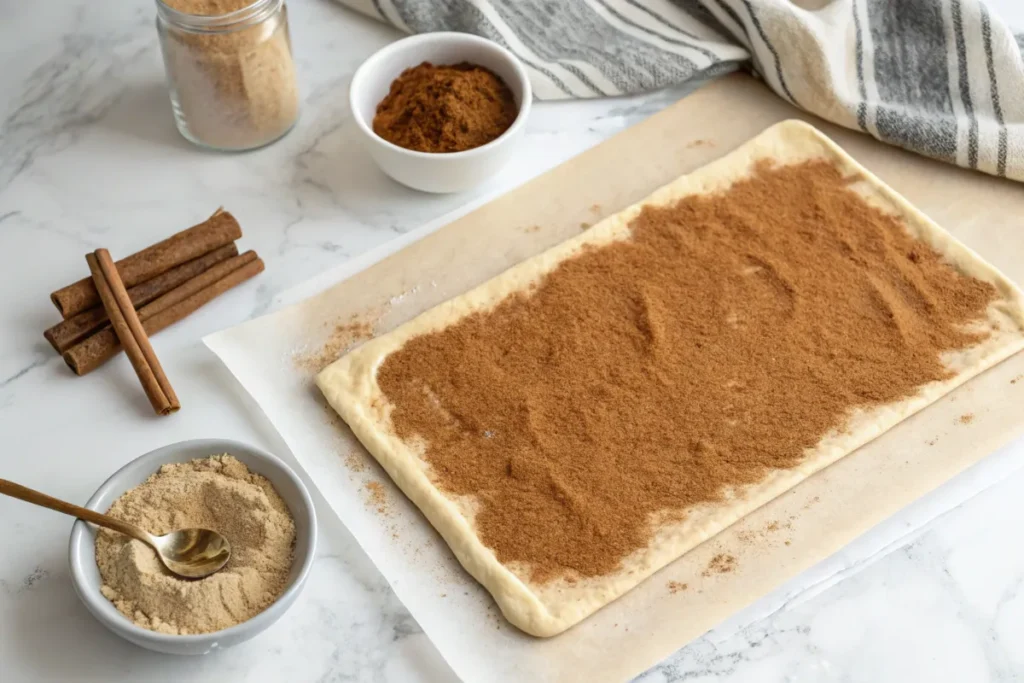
{"x": 445, "y": 108}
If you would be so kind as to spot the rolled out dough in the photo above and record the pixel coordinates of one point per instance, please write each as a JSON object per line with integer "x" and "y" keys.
{"x": 351, "y": 388}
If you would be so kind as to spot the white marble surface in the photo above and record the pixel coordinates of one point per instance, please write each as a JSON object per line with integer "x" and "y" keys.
{"x": 89, "y": 157}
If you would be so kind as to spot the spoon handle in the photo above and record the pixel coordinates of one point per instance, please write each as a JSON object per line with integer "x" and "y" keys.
{"x": 9, "y": 488}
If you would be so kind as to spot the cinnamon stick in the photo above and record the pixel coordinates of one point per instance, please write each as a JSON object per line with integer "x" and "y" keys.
{"x": 93, "y": 351}
{"x": 125, "y": 322}
{"x": 216, "y": 231}
{"x": 67, "y": 333}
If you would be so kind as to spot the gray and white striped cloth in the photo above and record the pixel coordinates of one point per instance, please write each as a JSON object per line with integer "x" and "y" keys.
{"x": 944, "y": 78}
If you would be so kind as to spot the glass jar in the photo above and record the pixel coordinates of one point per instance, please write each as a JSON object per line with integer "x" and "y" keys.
{"x": 231, "y": 76}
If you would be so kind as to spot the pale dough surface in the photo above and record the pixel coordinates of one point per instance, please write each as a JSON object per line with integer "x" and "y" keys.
{"x": 350, "y": 386}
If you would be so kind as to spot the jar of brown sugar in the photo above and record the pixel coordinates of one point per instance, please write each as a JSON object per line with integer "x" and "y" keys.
{"x": 230, "y": 70}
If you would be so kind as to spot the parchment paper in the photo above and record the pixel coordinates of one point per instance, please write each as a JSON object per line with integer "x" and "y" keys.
{"x": 774, "y": 545}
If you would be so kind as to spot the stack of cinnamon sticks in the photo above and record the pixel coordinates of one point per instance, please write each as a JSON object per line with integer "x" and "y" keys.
{"x": 122, "y": 303}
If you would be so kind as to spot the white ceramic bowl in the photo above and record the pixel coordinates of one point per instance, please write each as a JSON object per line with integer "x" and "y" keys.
{"x": 85, "y": 574}
{"x": 433, "y": 172}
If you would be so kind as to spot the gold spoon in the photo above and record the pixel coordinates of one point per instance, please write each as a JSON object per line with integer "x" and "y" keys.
{"x": 189, "y": 553}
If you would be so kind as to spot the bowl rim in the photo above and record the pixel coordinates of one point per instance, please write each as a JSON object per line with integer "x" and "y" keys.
{"x": 250, "y": 627}
{"x": 361, "y": 75}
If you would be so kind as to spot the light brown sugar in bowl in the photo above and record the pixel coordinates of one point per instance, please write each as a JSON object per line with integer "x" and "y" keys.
{"x": 218, "y": 493}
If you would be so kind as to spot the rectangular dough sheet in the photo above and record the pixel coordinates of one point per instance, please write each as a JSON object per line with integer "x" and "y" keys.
{"x": 350, "y": 386}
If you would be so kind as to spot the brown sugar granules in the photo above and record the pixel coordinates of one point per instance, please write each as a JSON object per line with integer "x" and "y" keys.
{"x": 235, "y": 87}
{"x": 445, "y": 108}
{"x": 638, "y": 379}
{"x": 218, "y": 492}
{"x": 208, "y": 8}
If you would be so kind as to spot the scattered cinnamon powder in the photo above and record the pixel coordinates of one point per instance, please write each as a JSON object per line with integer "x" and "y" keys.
{"x": 356, "y": 462}
{"x": 674, "y": 587}
{"x": 445, "y": 108}
{"x": 377, "y": 496}
{"x": 720, "y": 564}
{"x": 638, "y": 379}
{"x": 759, "y": 536}
{"x": 966, "y": 418}
{"x": 346, "y": 334}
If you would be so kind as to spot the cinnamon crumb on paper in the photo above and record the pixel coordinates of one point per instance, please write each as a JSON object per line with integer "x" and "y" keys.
{"x": 353, "y": 330}
{"x": 720, "y": 564}
{"x": 356, "y": 461}
{"x": 811, "y": 502}
{"x": 761, "y": 535}
{"x": 674, "y": 587}
{"x": 377, "y": 496}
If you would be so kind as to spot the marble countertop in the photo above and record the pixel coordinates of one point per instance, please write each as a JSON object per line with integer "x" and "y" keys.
{"x": 89, "y": 157}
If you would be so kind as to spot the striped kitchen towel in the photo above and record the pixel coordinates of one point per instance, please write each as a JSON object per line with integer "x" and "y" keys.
{"x": 944, "y": 78}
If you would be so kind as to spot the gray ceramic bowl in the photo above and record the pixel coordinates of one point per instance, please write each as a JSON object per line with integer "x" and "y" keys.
{"x": 85, "y": 574}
